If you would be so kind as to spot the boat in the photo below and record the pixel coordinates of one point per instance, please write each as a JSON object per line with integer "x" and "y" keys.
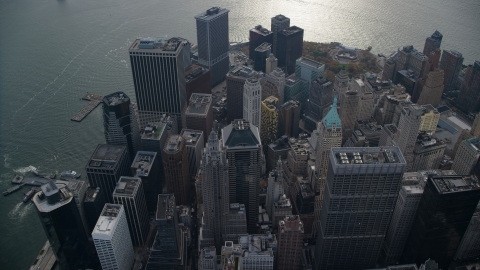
{"x": 29, "y": 195}
{"x": 12, "y": 189}
{"x": 69, "y": 175}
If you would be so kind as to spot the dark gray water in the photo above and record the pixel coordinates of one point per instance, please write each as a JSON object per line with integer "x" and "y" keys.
{"x": 54, "y": 51}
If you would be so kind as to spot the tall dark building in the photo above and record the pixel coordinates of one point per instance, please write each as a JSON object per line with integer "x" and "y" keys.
{"x": 279, "y": 23}
{"x": 451, "y": 64}
{"x": 235, "y": 82}
{"x": 146, "y": 166}
{"x": 257, "y": 37}
{"x": 241, "y": 141}
{"x": 197, "y": 80}
{"x": 260, "y": 56}
{"x": 129, "y": 192}
{"x": 194, "y": 144}
{"x": 443, "y": 215}
{"x": 289, "y": 119}
{"x": 432, "y": 43}
{"x": 213, "y": 42}
{"x": 155, "y": 134}
{"x": 469, "y": 96}
{"x": 63, "y": 226}
{"x": 105, "y": 167}
{"x": 120, "y": 122}
{"x": 175, "y": 164}
{"x": 289, "y": 47}
{"x": 158, "y": 69}
{"x": 198, "y": 114}
{"x": 92, "y": 206}
{"x": 320, "y": 98}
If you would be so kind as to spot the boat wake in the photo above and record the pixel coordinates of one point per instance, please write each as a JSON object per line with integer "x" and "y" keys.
{"x": 25, "y": 169}
{"x": 6, "y": 158}
{"x": 20, "y": 210}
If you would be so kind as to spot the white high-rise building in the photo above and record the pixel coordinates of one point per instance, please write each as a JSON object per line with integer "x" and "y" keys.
{"x": 274, "y": 84}
{"x": 467, "y": 156}
{"x": 409, "y": 127}
{"x": 272, "y": 63}
{"x": 112, "y": 238}
{"x": 252, "y": 94}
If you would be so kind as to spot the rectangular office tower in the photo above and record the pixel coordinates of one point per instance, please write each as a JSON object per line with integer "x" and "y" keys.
{"x": 258, "y": 35}
{"x": 278, "y": 23}
{"x": 129, "y": 193}
{"x": 198, "y": 114}
{"x": 105, "y": 167}
{"x": 289, "y": 47}
{"x": 360, "y": 194}
{"x": 146, "y": 166}
{"x": 175, "y": 164}
{"x": 93, "y": 206}
{"x": 158, "y": 69}
{"x": 213, "y": 42}
{"x": 112, "y": 239}
{"x": 194, "y": 144}
{"x": 443, "y": 215}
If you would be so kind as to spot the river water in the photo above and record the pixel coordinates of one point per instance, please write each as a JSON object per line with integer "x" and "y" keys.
{"x": 54, "y": 51}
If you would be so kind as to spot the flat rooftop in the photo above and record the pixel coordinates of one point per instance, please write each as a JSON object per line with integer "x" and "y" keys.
{"x": 199, "y": 104}
{"x": 261, "y": 30}
{"x": 127, "y": 186}
{"x": 106, "y": 155}
{"x": 455, "y": 183}
{"x": 290, "y": 103}
{"x": 194, "y": 71}
{"x": 49, "y": 189}
{"x": 157, "y": 45}
{"x": 309, "y": 62}
{"x": 174, "y": 144}
{"x": 107, "y": 222}
{"x": 115, "y": 99}
{"x": 281, "y": 17}
{"x": 362, "y": 156}
{"x": 154, "y": 130}
{"x": 291, "y": 30}
{"x": 264, "y": 47}
{"x": 191, "y": 136}
{"x": 91, "y": 194}
{"x": 143, "y": 163}
{"x": 292, "y": 80}
{"x": 165, "y": 207}
{"x": 241, "y": 71}
{"x": 211, "y": 13}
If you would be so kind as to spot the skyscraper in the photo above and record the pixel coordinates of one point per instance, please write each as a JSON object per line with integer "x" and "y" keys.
{"x": 166, "y": 91}
{"x": 106, "y": 165}
{"x": 269, "y": 121}
{"x": 433, "y": 89}
{"x": 366, "y": 100}
{"x": 120, "y": 122}
{"x": 470, "y": 245}
{"x": 296, "y": 88}
{"x": 445, "y": 210}
{"x": 289, "y": 118}
{"x": 320, "y": 99}
{"x": 278, "y": 23}
{"x": 215, "y": 189}
{"x": 469, "y": 96}
{"x": 194, "y": 143}
{"x": 235, "y": 83}
{"x": 432, "y": 43}
{"x": 146, "y": 166}
{"x": 467, "y": 156}
{"x": 198, "y": 80}
{"x": 308, "y": 69}
{"x": 274, "y": 84}
{"x": 257, "y": 36}
{"x": 213, "y": 42}
{"x": 428, "y": 153}
{"x": 155, "y": 134}
{"x": 349, "y": 101}
{"x": 198, "y": 114}
{"x": 353, "y": 226}
{"x": 451, "y": 64}
{"x": 93, "y": 206}
{"x": 271, "y": 63}
{"x": 112, "y": 239}
{"x": 260, "y": 56}
{"x": 290, "y": 242}
{"x": 252, "y": 93}
{"x": 63, "y": 226}
{"x": 207, "y": 259}
{"x": 289, "y": 47}
{"x": 241, "y": 141}
{"x": 409, "y": 126}
{"x": 130, "y": 193}
{"x": 175, "y": 163}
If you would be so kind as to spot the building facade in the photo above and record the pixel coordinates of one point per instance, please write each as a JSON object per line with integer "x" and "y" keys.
{"x": 257, "y": 36}
{"x": 320, "y": 99}
{"x": 146, "y": 166}
{"x": 269, "y": 121}
{"x": 451, "y": 64}
{"x": 252, "y": 110}
{"x": 194, "y": 144}
{"x": 467, "y": 156}
{"x": 289, "y": 47}
{"x": 278, "y": 23}
{"x": 235, "y": 81}
{"x": 290, "y": 242}
{"x": 409, "y": 127}
{"x": 198, "y": 114}
{"x": 176, "y": 168}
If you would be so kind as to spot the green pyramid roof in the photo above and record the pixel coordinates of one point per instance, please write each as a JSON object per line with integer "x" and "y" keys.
{"x": 332, "y": 117}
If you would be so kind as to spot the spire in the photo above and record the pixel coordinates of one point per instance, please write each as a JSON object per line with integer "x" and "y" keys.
{"x": 332, "y": 117}
{"x": 212, "y": 142}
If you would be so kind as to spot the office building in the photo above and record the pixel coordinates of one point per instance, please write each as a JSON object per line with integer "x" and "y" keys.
{"x": 296, "y": 165}
{"x": 130, "y": 193}
{"x": 278, "y": 23}
{"x": 207, "y": 259}
{"x": 433, "y": 89}
{"x": 289, "y": 119}
{"x": 93, "y": 206}
{"x": 164, "y": 93}
{"x": 105, "y": 167}
{"x": 429, "y": 119}
{"x": 432, "y": 43}
{"x": 469, "y": 247}
{"x": 440, "y": 224}
{"x": 213, "y": 42}
{"x": 176, "y": 169}
{"x": 361, "y": 240}
{"x": 242, "y": 144}
{"x": 467, "y": 156}
{"x": 63, "y": 226}
{"x": 296, "y": 88}
{"x": 260, "y": 56}
{"x": 235, "y": 81}
{"x": 341, "y": 82}
{"x": 277, "y": 204}
{"x": 409, "y": 127}
{"x": 366, "y": 100}
{"x": 198, "y": 80}
{"x": 155, "y": 134}
{"x": 388, "y": 135}
{"x": 236, "y": 222}
{"x": 271, "y": 63}
{"x": 198, "y": 114}
{"x": 349, "y": 102}
{"x": 427, "y": 153}
{"x": 277, "y": 150}
{"x": 451, "y": 64}
{"x": 194, "y": 143}
{"x": 169, "y": 250}
{"x": 393, "y": 102}
{"x": 258, "y": 251}
{"x": 146, "y": 166}
{"x": 79, "y": 190}
{"x": 112, "y": 239}
{"x": 257, "y": 36}
{"x": 289, "y": 47}
{"x": 273, "y": 84}
{"x": 320, "y": 99}
{"x": 120, "y": 122}
{"x": 252, "y": 93}
{"x": 469, "y": 96}
{"x": 290, "y": 242}
{"x": 269, "y": 121}
{"x": 309, "y": 69}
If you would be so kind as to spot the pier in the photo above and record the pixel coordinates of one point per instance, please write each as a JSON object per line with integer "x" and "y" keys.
{"x": 94, "y": 101}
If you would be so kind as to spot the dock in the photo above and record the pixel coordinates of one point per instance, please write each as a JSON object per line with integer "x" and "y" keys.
{"x": 12, "y": 189}
{"x": 94, "y": 101}
{"x": 45, "y": 258}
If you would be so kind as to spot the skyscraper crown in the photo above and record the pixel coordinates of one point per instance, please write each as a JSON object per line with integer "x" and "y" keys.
{"x": 332, "y": 118}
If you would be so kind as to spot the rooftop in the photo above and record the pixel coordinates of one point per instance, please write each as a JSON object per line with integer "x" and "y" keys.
{"x": 106, "y": 156}
{"x": 165, "y": 207}
{"x": 127, "y": 186}
{"x": 52, "y": 196}
{"x": 194, "y": 71}
{"x": 211, "y": 13}
{"x": 143, "y": 163}
{"x": 264, "y": 47}
{"x": 240, "y": 133}
{"x": 455, "y": 183}
{"x": 365, "y": 156}
{"x": 425, "y": 142}
{"x": 292, "y": 80}
{"x": 174, "y": 144}
{"x": 199, "y": 104}
{"x": 91, "y": 194}
{"x": 281, "y": 17}
{"x": 241, "y": 71}
{"x": 115, "y": 99}
{"x": 154, "y": 130}
{"x": 157, "y": 45}
{"x": 332, "y": 118}
{"x": 291, "y": 30}
{"x": 290, "y": 103}
{"x": 261, "y": 30}
{"x": 191, "y": 136}
{"x": 474, "y": 144}
{"x": 271, "y": 102}
{"x": 309, "y": 62}
{"x": 107, "y": 222}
